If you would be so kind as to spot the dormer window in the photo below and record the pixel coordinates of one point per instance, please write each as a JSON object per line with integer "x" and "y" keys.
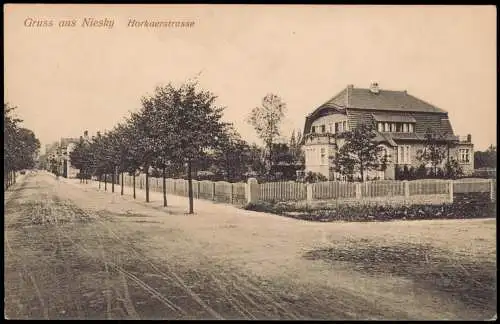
{"x": 396, "y": 127}
{"x": 323, "y": 128}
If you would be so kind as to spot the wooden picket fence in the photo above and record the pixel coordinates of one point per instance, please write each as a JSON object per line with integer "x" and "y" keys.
{"x": 282, "y": 191}
{"x": 236, "y": 193}
{"x": 333, "y": 190}
{"x": 220, "y": 191}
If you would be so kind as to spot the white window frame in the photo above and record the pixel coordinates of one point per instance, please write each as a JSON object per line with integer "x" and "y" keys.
{"x": 410, "y": 128}
{"x": 380, "y": 126}
{"x": 405, "y": 128}
{"x": 386, "y": 127}
{"x": 404, "y": 154}
{"x": 464, "y": 155}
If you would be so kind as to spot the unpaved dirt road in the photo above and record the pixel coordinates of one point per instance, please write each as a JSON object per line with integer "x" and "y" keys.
{"x": 72, "y": 251}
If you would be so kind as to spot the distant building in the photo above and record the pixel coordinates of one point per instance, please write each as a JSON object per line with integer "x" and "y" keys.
{"x": 401, "y": 122}
{"x": 58, "y": 156}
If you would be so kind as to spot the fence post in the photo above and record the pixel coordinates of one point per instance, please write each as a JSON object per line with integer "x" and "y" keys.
{"x": 197, "y": 189}
{"x": 231, "y": 194}
{"x": 492, "y": 189}
{"x": 451, "y": 190}
{"x": 407, "y": 189}
{"x": 213, "y": 190}
{"x": 358, "y": 190}
{"x": 309, "y": 191}
{"x": 252, "y": 190}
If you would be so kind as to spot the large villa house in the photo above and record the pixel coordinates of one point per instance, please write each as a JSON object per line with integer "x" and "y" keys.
{"x": 401, "y": 121}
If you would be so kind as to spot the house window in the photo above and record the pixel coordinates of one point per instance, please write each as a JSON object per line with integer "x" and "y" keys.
{"x": 393, "y": 127}
{"x": 386, "y": 127}
{"x": 323, "y": 128}
{"x": 332, "y": 130}
{"x": 336, "y": 127}
{"x": 463, "y": 156}
{"x": 405, "y": 128}
{"x": 399, "y": 127}
{"x": 323, "y": 156}
{"x": 314, "y": 129}
{"x": 404, "y": 154}
{"x": 410, "y": 128}
{"x": 380, "y": 127}
{"x": 384, "y": 153}
{"x": 344, "y": 125}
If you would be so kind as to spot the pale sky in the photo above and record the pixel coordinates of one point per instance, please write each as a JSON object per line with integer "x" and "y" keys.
{"x": 66, "y": 80}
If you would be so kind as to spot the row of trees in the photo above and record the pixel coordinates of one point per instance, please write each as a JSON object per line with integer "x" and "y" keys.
{"x": 21, "y": 146}
{"x": 176, "y": 132}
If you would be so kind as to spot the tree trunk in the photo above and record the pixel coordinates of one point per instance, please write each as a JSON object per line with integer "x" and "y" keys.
{"x": 106, "y": 182}
{"x": 113, "y": 180}
{"x": 122, "y": 186}
{"x": 133, "y": 182}
{"x": 80, "y": 175}
{"x": 99, "y": 180}
{"x": 190, "y": 187}
{"x": 270, "y": 146}
{"x": 362, "y": 172}
{"x": 147, "y": 184}
{"x": 164, "y": 176}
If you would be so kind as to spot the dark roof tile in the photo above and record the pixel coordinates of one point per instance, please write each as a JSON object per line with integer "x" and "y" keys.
{"x": 389, "y": 100}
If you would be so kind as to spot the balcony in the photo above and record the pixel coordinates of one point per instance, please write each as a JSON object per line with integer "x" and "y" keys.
{"x": 465, "y": 139}
{"x": 320, "y": 138}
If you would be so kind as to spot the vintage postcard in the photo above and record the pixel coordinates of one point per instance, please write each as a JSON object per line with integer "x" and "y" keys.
{"x": 250, "y": 162}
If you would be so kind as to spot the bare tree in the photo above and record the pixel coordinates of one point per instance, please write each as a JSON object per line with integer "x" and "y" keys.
{"x": 266, "y": 121}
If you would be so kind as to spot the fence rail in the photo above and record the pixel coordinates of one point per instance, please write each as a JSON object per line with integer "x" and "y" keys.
{"x": 472, "y": 185}
{"x": 237, "y": 193}
{"x": 282, "y": 191}
{"x": 383, "y": 189}
{"x": 429, "y": 187}
{"x": 333, "y": 190}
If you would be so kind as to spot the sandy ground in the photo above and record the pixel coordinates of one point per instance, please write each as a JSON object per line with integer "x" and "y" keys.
{"x": 74, "y": 251}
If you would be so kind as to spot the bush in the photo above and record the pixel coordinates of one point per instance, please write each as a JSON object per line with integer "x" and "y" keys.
{"x": 315, "y": 177}
{"x": 461, "y": 209}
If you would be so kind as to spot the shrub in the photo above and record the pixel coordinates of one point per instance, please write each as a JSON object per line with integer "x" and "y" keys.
{"x": 315, "y": 177}
{"x": 453, "y": 169}
{"x": 464, "y": 208}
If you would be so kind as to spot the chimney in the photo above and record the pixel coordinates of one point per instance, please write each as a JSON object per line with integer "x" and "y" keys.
{"x": 374, "y": 88}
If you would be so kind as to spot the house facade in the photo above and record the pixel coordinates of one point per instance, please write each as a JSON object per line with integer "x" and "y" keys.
{"x": 401, "y": 121}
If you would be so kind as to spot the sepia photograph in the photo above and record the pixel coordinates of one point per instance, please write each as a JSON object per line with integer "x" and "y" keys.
{"x": 250, "y": 162}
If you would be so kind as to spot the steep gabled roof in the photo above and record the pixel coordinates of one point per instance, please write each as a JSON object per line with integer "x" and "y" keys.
{"x": 320, "y": 111}
{"x": 388, "y": 100}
